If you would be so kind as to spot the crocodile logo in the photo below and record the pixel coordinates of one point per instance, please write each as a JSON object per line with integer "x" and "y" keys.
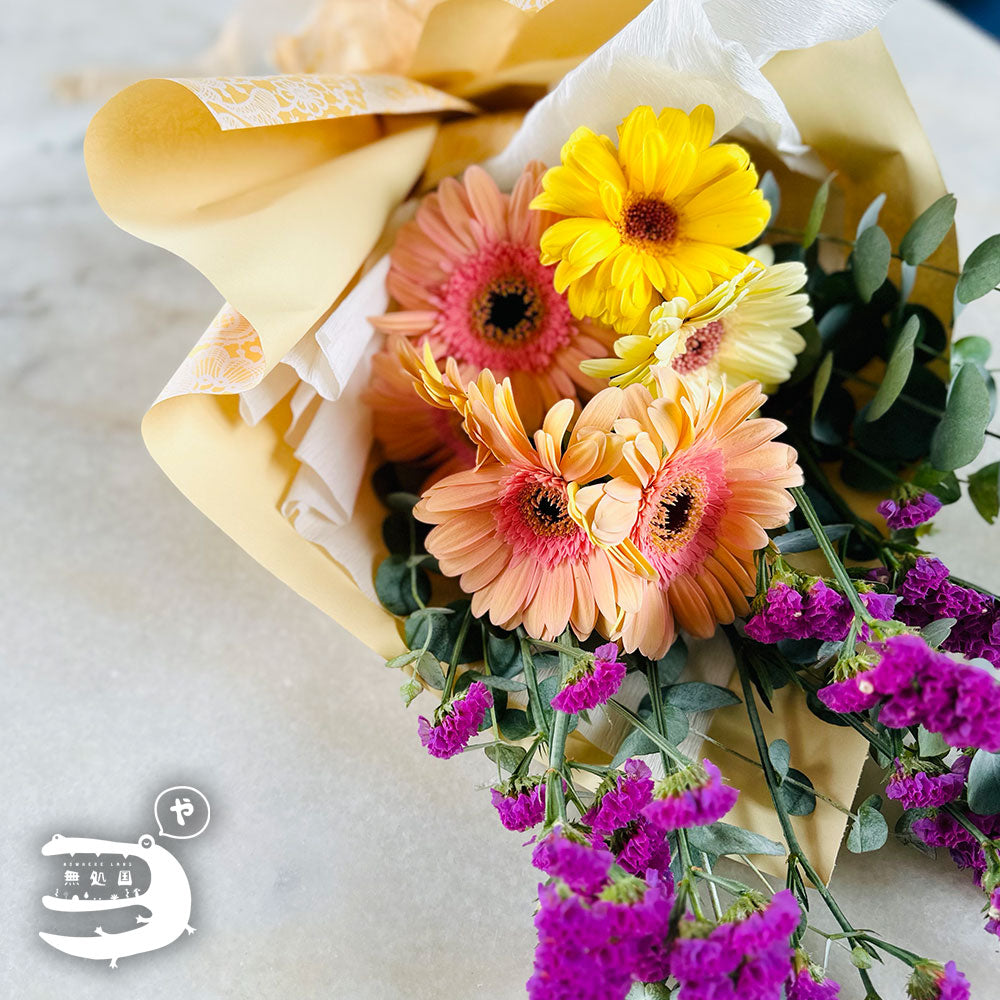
{"x": 167, "y": 900}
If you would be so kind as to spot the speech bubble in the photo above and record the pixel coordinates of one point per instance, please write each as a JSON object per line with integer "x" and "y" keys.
{"x": 181, "y": 812}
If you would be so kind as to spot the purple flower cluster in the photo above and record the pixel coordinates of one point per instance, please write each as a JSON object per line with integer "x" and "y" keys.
{"x": 459, "y": 722}
{"x": 917, "y": 789}
{"x": 821, "y": 613}
{"x": 522, "y": 805}
{"x": 741, "y": 959}
{"x": 593, "y": 683}
{"x": 920, "y": 686}
{"x": 593, "y": 949}
{"x": 617, "y": 823}
{"x": 993, "y": 913}
{"x": 694, "y": 796}
{"x": 927, "y": 594}
{"x": 909, "y": 510}
{"x": 932, "y": 981}
{"x": 805, "y": 986}
{"x": 583, "y": 867}
{"x": 943, "y": 830}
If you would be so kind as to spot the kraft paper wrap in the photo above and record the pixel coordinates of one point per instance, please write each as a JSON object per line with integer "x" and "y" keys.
{"x": 277, "y": 189}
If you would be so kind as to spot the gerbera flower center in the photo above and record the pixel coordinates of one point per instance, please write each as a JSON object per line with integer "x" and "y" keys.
{"x": 499, "y": 309}
{"x": 649, "y": 220}
{"x": 533, "y": 517}
{"x": 700, "y": 347}
{"x": 678, "y": 512}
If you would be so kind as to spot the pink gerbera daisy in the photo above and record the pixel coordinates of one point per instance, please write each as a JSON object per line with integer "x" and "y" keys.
{"x": 510, "y": 528}
{"x": 467, "y": 276}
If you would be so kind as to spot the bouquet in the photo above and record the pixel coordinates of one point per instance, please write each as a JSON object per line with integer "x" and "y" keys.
{"x": 664, "y": 400}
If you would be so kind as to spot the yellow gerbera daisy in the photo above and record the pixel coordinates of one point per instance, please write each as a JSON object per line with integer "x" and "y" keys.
{"x": 743, "y": 330}
{"x": 658, "y": 216}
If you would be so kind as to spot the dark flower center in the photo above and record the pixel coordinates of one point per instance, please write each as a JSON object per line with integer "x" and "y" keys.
{"x": 678, "y": 513}
{"x": 649, "y": 221}
{"x": 509, "y": 312}
{"x": 700, "y": 347}
{"x": 545, "y": 512}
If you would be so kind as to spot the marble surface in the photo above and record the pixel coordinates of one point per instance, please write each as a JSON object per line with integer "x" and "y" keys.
{"x": 142, "y": 649}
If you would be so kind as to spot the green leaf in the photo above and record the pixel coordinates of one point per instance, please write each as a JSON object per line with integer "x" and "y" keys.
{"x": 671, "y": 666}
{"x": 984, "y": 491}
{"x": 981, "y": 273}
{"x": 403, "y": 502}
{"x": 871, "y": 213}
{"x": 410, "y": 689}
{"x": 897, "y": 371}
{"x": 944, "y": 485}
{"x": 445, "y": 624}
{"x": 870, "y": 830}
{"x": 806, "y": 361}
{"x": 928, "y": 230}
{"x": 870, "y": 262}
{"x": 430, "y": 669}
{"x": 821, "y": 381}
{"x": 772, "y": 195}
{"x": 780, "y": 754}
{"x": 697, "y": 696}
{"x": 498, "y": 682}
{"x": 804, "y": 540}
{"x": 503, "y": 653}
{"x": 515, "y": 724}
{"x": 403, "y": 659}
{"x": 931, "y": 744}
{"x": 860, "y": 958}
{"x": 960, "y": 435}
{"x": 970, "y": 349}
{"x": 984, "y": 783}
{"x": 636, "y": 744}
{"x": 936, "y": 632}
{"x": 903, "y": 831}
{"x": 394, "y": 588}
{"x": 816, "y": 213}
{"x": 724, "y": 838}
{"x": 798, "y": 801}
{"x": 505, "y": 757}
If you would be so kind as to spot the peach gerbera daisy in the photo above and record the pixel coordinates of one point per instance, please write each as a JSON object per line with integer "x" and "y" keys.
{"x": 510, "y": 528}
{"x": 467, "y": 276}
{"x": 658, "y": 216}
{"x": 701, "y": 482}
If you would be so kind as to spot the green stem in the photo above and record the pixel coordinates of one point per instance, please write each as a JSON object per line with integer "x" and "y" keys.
{"x": 714, "y": 880}
{"x": 659, "y": 716}
{"x": 675, "y": 755}
{"x": 812, "y": 519}
{"x": 558, "y": 647}
{"x": 555, "y": 801}
{"x": 456, "y": 653}
{"x": 905, "y": 956}
{"x": 531, "y": 678}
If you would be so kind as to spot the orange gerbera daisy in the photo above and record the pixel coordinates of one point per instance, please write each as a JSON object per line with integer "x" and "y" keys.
{"x": 467, "y": 274}
{"x": 700, "y": 483}
{"x": 510, "y": 528}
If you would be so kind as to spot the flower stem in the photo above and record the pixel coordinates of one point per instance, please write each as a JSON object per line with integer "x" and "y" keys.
{"x": 659, "y": 716}
{"x": 531, "y": 678}
{"x": 456, "y": 654}
{"x": 675, "y": 755}
{"x": 812, "y": 519}
{"x": 713, "y": 880}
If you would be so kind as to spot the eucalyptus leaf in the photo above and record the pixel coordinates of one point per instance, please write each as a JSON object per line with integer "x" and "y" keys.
{"x": 936, "y": 632}
{"x": 697, "y": 696}
{"x": 805, "y": 541}
{"x": 870, "y": 830}
{"x": 724, "y": 838}
{"x": 636, "y": 744}
{"x": 944, "y": 485}
{"x": 928, "y": 230}
{"x": 871, "y": 213}
{"x": 931, "y": 744}
{"x": 797, "y": 801}
{"x": 897, "y": 370}
{"x": 780, "y": 754}
{"x": 395, "y": 586}
{"x": 821, "y": 381}
{"x": 984, "y": 491}
{"x": 503, "y": 653}
{"x": 403, "y": 659}
{"x": 800, "y": 651}
{"x": 976, "y": 349}
{"x": 816, "y": 213}
{"x": 870, "y": 262}
{"x": 984, "y": 783}
{"x": 960, "y": 435}
{"x": 981, "y": 273}
{"x": 498, "y": 682}
{"x": 772, "y": 195}
{"x": 429, "y": 668}
{"x": 504, "y": 756}
{"x": 671, "y": 665}
{"x": 515, "y": 724}
{"x": 410, "y": 689}
{"x": 903, "y": 831}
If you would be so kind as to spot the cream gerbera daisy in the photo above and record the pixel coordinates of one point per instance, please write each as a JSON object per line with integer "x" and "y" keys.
{"x": 701, "y": 483}
{"x": 656, "y": 217}
{"x": 744, "y": 330}
{"x": 510, "y": 528}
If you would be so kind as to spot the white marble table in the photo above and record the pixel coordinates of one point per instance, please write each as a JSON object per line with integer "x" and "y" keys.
{"x": 142, "y": 649}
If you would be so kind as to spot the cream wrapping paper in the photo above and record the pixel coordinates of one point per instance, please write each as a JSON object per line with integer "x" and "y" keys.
{"x": 277, "y": 189}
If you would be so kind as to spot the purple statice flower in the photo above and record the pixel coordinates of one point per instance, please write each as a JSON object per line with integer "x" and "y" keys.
{"x": 827, "y": 614}
{"x": 582, "y": 866}
{"x": 993, "y": 913}
{"x": 521, "y": 805}
{"x": 863, "y": 685}
{"x": 746, "y": 956}
{"x": 806, "y": 986}
{"x": 593, "y": 950}
{"x": 943, "y": 830}
{"x": 459, "y": 722}
{"x": 909, "y": 510}
{"x": 593, "y": 682}
{"x": 692, "y": 796}
{"x": 917, "y": 789}
{"x": 933, "y": 981}
{"x": 781, "y": 617}
{"x": 643, "y": 848}
{"x": 620, "y": 805}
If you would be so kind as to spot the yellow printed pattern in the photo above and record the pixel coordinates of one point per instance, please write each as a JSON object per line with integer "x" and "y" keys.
{"x": 251, "y": 101}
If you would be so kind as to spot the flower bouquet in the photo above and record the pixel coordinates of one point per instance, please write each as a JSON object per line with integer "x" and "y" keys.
{"x": 647, "y": 313}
